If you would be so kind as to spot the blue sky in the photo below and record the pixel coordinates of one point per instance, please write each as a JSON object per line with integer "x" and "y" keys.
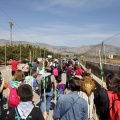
{"x": 70, "y": 23}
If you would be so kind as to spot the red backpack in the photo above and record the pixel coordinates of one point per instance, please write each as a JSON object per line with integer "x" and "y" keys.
{"x": 13, "y": 98}
{"x": 114, "y": 106}
{"x": 55, "y": 71}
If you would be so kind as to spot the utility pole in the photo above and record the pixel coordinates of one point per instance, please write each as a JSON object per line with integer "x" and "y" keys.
{"x": 104, "y": 52}
{"x": 11, "y": 24}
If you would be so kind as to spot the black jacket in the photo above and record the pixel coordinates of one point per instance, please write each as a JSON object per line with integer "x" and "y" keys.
{"x": 35, "y": 113}
{"x": 102, "y": 104}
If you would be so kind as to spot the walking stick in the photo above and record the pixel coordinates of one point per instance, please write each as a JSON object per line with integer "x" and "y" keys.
{"x": 55, "y": 90}
{"x": 101, "y": 68}
{"x": 30, "y": 62}
{"x": 44, "y": 88}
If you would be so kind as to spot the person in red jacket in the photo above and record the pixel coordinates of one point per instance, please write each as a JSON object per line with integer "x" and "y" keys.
{"x": 114, "y": 100}
{"x": 14, "y": 66}
{"x": 106, "y": 99}
{"x": 79, "y": 71}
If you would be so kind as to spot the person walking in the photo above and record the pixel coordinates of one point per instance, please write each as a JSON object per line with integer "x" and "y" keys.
{"x": 35, "y": 64}
{"x": 69, "y": 73}
{"x": 79, "y": 71}
{"x": 71, "y": 106}
{"x": 25, "y": 68}
{"x": 46, "y": 93}
{"x": 18, "y": 79}
{"x": 102, "y": 100}
{"x": 14, "y": 66}
{"x": 25, "y": 109}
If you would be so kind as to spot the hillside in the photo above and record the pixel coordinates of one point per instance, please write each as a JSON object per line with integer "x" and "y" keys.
{"x": 68, "y": 50}
{"x": 56, "y": 49}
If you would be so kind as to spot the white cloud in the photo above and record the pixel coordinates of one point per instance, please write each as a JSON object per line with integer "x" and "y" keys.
{"x": 62, "y": 34}
{"x": 58, "y": 6}
{"x": 73, "y": 40}
{"x": 65, "y": 35}
{"x": 61, "y": 28}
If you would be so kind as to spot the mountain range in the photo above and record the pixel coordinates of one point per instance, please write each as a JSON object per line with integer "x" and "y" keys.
{"x": 56, "y": 49}
{"x": 109, "y": 49}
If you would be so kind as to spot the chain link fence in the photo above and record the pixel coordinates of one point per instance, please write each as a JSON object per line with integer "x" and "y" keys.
{"x": 109, "y": 51}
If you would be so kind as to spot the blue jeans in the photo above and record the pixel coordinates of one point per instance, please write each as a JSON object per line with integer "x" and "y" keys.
{"x": 67, "y": 81}
{"x": 48, "y": 101}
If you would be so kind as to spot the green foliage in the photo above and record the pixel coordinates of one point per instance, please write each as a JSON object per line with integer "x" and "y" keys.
{"x": 2, "y": 53}
{"x": 14, "y": 52}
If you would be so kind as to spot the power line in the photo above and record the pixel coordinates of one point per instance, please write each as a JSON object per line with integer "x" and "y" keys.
{"x": 15, "y": 22}
{"x": 112, "y": 36}
{"x": 11, "y": 24}
{"x": 12, "y": 32}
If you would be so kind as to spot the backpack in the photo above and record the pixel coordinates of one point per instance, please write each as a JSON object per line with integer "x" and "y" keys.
{"x": 55, "y": 71}
{"x": 48, "y": 83}
{"x": 114, "y": 106}
{"x": 34, "y": 83}
{"x": 88, "y": 85}
{"x": 13, "y": 98}
{"x": 61, "y": 88}
{"x": 102, "y": 104}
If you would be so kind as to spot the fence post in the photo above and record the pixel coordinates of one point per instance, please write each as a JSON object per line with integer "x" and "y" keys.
{"x": 5, "y": 54}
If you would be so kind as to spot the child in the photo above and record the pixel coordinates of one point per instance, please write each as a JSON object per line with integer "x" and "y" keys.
{"x": 40, "y": 72}
{"x": 34, "y": 81}
{"x": 31, "y": 80}
{"x": 46, "y": 86}
{"x": 25, "y": 109}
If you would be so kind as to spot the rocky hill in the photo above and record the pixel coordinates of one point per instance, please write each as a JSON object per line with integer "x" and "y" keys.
{"x": 56, "y": 49}
{"x": 68, "y": 50}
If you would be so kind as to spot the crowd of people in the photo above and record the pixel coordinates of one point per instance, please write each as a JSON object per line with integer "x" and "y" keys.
{"x": 74, "y": 100}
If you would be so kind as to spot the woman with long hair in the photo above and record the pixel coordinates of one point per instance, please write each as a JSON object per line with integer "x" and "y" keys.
{"x": 17, "y": 80}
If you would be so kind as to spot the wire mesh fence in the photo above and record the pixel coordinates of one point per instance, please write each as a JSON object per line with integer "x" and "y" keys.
{"x": 109, "y": 50}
